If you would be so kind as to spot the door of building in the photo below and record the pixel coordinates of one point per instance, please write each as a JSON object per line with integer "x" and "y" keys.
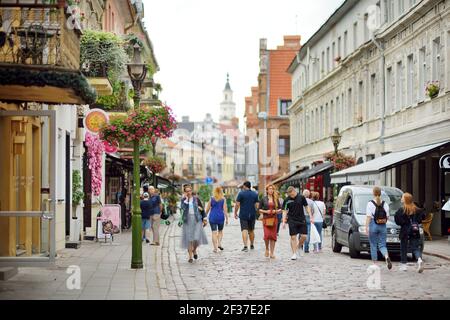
{"x": 445, "y": 196}
{"x": 27, "y": 201}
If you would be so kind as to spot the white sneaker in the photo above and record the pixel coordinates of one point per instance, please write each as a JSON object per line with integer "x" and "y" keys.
{"x": 403, "y": 267}
{"x": 300, "y": 252}
{"x": 294, "y": 257}
{"x": 420, "y": 267}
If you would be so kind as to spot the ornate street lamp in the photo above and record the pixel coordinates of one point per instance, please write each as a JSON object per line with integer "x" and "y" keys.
{"x": 336, "y": 139}
{"x": 137, "y": 72}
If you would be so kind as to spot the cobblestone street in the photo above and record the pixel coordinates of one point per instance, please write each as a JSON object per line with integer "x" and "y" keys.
{"x": 231, "y": 274}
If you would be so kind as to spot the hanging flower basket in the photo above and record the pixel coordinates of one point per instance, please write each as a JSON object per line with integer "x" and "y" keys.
{"x": 155, "y": 164}
{"x": 433, "y": 89}
{"x": 340, "y": 161}
{"x": 140, "y": 125}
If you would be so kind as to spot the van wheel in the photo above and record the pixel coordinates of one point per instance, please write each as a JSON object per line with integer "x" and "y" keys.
{"x": 351, "y": 246}
{"x": 335, "y": 246}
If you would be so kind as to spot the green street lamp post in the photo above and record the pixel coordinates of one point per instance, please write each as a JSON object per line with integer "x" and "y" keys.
{"x": 137, "y": 72}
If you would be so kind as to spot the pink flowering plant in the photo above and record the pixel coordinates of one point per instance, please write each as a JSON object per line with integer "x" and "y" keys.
{"x": 340, "y": 161}
{"x": 95, "y": 149}
{"x": 141, "y": 125}
{"x": 155, "y": 164}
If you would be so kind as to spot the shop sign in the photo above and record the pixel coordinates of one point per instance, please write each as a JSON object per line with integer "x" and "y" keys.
{"x": 95, "y": 120}
{"x": 444, "y": 163}
{"x": 109, "y": 221}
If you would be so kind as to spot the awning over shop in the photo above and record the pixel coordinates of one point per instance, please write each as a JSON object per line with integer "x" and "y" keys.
{"x": 284, "y": 178}
{"x": 370, "y": 171}
{"x": 296, "y": 179}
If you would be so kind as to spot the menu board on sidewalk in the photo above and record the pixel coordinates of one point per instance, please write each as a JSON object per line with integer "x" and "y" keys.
{"x": 109, "y": 221}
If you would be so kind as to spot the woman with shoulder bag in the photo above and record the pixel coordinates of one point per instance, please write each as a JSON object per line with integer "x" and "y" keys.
{"x": 319, "y": 209}
{"x": 409, "y": 217}
{"x": 193, "y": 220}
{"x": 269, "y": 208}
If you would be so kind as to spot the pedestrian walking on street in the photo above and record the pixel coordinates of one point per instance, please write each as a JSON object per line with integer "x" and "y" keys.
{"x": 319, "y": 209}
{"x": 270, "y": 206}
{"x": 409, "y": 217}
{"x": 377, "y": 217}
{"x": 217, "y": 210}
{"x": 309, "y": 218}
{"x": 229, "y": 205}
{"x": 156, "y": 203}
{"x": 247, "y": 204}
{"x": 147, "y": 210}
{"x": 294, "y": 215}
{"x": 193, "y": 220}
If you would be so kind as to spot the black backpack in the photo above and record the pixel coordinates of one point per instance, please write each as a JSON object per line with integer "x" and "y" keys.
{"x": 380, "y": 216}
{"x": 414, "y": 228}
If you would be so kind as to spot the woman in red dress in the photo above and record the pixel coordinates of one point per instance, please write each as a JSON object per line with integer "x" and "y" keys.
{"x": 269, "y": 207}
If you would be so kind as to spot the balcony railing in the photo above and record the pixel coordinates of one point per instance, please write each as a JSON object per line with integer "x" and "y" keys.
{"x": 38, "y": 32}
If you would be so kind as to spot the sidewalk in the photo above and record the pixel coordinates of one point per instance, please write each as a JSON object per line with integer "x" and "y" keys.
{"x": 438, "y": 248}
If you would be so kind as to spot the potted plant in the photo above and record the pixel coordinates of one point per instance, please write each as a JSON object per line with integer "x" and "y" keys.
{"x": 432, "y": 89}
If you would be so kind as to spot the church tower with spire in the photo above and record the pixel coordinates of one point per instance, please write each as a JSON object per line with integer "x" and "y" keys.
{"x": 227, "y": 107}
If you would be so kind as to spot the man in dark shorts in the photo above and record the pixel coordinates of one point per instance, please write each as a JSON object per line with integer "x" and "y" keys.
{"x": 294, "y": 215}
{"x": 247, "y": 203}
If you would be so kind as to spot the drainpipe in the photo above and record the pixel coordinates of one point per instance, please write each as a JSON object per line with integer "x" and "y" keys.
{"x": 383, "y": 91}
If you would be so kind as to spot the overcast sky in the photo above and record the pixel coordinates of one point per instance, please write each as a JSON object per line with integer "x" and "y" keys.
{"x": 197, "y": 42}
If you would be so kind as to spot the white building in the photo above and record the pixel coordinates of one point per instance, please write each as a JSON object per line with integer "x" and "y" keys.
{"x": 365, "y": 72}
{"x": 227, "y": 107}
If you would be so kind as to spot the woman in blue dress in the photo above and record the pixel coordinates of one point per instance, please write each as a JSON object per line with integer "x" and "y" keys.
{"x": 217, "y": 210}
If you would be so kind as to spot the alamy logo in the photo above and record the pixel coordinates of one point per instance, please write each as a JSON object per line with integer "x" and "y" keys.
{"x": 73, "y": 282}
{"x": 374, "y": 280}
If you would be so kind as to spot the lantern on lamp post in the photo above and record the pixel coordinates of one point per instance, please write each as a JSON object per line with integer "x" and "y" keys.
{"x": 336, "y": 139}
{"x": 137, "y": 72}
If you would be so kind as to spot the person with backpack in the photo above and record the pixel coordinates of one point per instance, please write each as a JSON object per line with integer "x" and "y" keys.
{"x": 377, "y": 218}
{"x": 217, "y": 210}
{"x": 409, "y": 217}
{"x": 193, "y": 220}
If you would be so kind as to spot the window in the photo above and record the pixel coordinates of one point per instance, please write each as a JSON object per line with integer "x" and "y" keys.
{"x": 328, "y": 59}
{"x": 366, "y": 27}
{"x": 355, "y": 35}
{"x": 321, "y": 135}
{"x": 345, "y": 43}
{"x": 327, "y": 119}
{"x": 389, "y": 85}
{"x": 410, "y": 80}
{"x": 351, "y": 115}
{"x": 339, "y": 52}
{"x": 401, "y": 7}
{"x": 333, "y": 55}
{"x": 360, "y": 101}
{"x": 323, "y": 63}
{"x": 284, "y": 106}
{"x": 422, "y": 73}
{"x": 398, "y": 86}
{"x": 436, "y": 60}
{"x": 373, "y": 96}
{"x": 332, "y": 117}
{"x": 283, "y": 146}
{"x": 338, "y": 112}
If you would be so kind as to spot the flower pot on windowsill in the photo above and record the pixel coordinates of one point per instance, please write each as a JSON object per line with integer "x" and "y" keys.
{"x": 434, "y": 94}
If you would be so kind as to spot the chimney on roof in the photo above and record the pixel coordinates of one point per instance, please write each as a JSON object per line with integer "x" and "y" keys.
{"x": 292, "y": 42}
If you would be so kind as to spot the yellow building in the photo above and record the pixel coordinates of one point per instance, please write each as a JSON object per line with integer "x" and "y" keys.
{"x": 40, "y": 86}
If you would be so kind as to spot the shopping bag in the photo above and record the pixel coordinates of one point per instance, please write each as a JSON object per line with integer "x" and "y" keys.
{"x": 314, "y": 235}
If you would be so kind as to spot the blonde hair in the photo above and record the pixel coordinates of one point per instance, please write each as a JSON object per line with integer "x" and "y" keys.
{"x": 408, "y": 205}
{"x": 218, "y": 193}
{"x": 276, "y": 195}
{"x": 377, "y": 195}
{"x": 316, "y": 196}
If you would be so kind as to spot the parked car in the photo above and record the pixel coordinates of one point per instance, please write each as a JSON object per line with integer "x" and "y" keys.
{"x": 349, "y": 223}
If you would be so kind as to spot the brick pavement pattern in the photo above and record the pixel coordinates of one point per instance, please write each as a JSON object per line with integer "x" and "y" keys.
{"x": 231, "y": 274}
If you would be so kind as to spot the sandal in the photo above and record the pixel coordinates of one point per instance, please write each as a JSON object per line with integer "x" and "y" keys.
{"x": 272, "y": 257}
{"x": 267, "y": 253}
{"x": 191, "y": 261}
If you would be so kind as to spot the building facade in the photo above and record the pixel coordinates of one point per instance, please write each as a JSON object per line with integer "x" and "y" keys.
{"x": 271, "y": 110}
{"x": 365, "y": 72}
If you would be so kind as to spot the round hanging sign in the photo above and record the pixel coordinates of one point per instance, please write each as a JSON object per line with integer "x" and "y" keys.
{"x": 95, "y": 120}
